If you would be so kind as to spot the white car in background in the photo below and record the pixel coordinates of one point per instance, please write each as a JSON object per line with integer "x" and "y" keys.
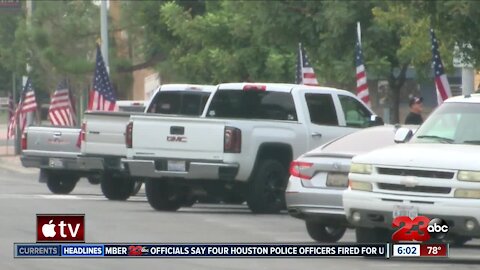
{"x": 319, "y": 177}
{"x": 436, "y": 174}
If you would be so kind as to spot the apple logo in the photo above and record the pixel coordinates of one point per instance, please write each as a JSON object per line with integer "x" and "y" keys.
{"x": 48, "y": 230}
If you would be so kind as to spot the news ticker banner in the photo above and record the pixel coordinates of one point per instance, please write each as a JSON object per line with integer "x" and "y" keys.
{"x": 135, "y": 250}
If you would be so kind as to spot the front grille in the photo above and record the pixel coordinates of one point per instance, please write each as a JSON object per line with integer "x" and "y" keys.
{"x": 419, "y": 173}
{"x": 422, "y": 189}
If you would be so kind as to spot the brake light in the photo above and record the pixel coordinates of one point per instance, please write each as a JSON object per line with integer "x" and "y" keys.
{"x": 254, "y": 87}
{"x": 128, "y": 135}
{"x": 297, "y": 169}
{"x": 232, "y": 142}
{"x": 23, "y": 142}
{"x": 83, "y": 132}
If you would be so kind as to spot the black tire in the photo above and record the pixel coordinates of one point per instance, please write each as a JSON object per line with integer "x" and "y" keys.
{"x": 325, "y": 233}
{"x": 136, "y": 187}
{"x": 94, "y": 179}
{"x": 372, "y": 235}
{"x": 59, "y": 182}
{"x": 163, "y": 196}
{"x": 267, "y": 186}
{"x": 117, "y": 188}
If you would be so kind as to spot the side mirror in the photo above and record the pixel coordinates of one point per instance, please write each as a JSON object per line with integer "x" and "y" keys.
{"x": 375, "y": 120}
{"x": 403, "y": 135}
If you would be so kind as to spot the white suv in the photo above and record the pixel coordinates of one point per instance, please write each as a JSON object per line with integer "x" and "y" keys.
{"x": 435, "y": 174}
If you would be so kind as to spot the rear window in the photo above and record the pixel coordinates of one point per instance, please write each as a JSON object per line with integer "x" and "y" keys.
{"x": 252, "y": 105}
{"x": 131, "y": 108}
{"x": 179, "y": 102}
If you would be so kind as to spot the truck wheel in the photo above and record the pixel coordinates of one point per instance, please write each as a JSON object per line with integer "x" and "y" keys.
{"x": 61, "y": 182}
{"x": 323, "y": 233}
{"x": 267, "y": 187}
{"x": 94, "y": 179}
{"x": 116, "y": 188}
{"x": 163, "y": 196}
{"x": 372, "y": 235}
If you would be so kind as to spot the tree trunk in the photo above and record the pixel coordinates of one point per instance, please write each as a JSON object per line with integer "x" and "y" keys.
{"x": 395, "y": 85}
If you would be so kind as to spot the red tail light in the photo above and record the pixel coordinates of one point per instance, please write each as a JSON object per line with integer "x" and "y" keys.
{"x": 23, "y": 142}
{"x": 254, "y": 87}
{"x": 83, "y": 134}
{"x": 296, "y": 168}
{"x": 128, "y": 135}
{"x": 232, "y": 142}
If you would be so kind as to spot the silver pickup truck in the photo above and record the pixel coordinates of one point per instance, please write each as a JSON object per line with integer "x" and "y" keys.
{"x": 103, "y": 141}
{"x": 54, "y": 150}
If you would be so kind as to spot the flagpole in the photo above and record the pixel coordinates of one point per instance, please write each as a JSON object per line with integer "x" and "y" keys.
{"x": 359, "y": 33}
{"x": 104, "y": 32}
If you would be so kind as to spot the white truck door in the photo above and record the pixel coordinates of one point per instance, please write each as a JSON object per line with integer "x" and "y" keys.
{"x": 323, "y": 119}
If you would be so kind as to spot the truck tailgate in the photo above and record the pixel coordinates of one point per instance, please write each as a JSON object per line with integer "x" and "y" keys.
{"x": 177, "y": 137}
{"x": 105, "y": 133}
{"x": 58, "y": 141}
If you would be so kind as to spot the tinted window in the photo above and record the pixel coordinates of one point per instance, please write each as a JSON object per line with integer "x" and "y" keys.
{"x": 321, "y": 109}
{"x": 179, "y": 102}
{"x": 131, "y": 108}
{"x": 252, "y": 105}
{"x": 356, "y": 115}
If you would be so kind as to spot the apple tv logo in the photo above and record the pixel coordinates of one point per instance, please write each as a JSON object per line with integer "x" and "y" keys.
{"x": 60, "y": 228}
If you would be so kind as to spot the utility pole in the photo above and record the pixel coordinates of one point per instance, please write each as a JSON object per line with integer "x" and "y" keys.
{"x": 104, "y": 32}
{"x": 18, "y": 132}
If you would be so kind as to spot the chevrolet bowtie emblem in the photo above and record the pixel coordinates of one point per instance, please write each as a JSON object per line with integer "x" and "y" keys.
{"x": 409, "y": 181}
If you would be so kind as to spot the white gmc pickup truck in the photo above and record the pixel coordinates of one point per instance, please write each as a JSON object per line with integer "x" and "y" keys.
{"x": 103, "y": 135}
{"x": 435, "y": 174}
{"x": 242, "y": 145}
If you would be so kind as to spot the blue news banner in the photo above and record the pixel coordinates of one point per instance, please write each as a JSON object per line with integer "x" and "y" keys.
{"x": 135, "y": 250}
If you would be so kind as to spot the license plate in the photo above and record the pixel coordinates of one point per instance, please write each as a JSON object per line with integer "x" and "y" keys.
{"x": 405, "y": 210}
{"x": 176, "y": 165}
{"x": 55, "y": 163}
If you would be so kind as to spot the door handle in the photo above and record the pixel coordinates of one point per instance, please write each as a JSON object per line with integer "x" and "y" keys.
{"x": 57, "y": 134}
{"x": 316, "y": 134}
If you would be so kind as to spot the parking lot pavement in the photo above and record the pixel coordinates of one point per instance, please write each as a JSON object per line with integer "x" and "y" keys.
{"x": 22, "y": 197}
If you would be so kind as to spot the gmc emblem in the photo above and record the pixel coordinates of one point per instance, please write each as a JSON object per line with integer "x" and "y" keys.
{"x": 182, "y": 139}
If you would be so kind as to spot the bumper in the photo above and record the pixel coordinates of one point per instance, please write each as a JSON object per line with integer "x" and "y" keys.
{"x": 193, "y": 170}
{"x": 376, "y": 210}
{"x": 51, "y": 163}
{"x": 322, "y": 204}
{"x": 100, "y": 163}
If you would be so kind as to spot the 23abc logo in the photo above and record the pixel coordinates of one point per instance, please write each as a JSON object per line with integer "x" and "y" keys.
{"x": 420, "y": 228}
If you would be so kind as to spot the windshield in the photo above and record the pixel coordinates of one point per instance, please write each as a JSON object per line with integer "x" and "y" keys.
{"x": 457, "y": 123}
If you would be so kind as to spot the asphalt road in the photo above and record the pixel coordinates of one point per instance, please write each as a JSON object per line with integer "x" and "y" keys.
{"x": 22, "y": 197}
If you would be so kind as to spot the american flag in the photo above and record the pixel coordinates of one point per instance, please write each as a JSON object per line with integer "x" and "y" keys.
{"x": 305, "y": 73}
{"x": 441, "y": 81}
{"x": 102, "y": 96}
{"x": 26, "y": 108}
{"x": 61, "y": 111}
{"x": 362, "y": 85}
{"x": 11, "y": 113}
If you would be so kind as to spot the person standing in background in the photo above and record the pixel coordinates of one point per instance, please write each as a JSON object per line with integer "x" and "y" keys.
{"x": 414, "y": 117}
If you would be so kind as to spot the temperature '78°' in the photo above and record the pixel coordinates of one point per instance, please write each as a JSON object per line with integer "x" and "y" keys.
{"x": 433, "y": 250}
